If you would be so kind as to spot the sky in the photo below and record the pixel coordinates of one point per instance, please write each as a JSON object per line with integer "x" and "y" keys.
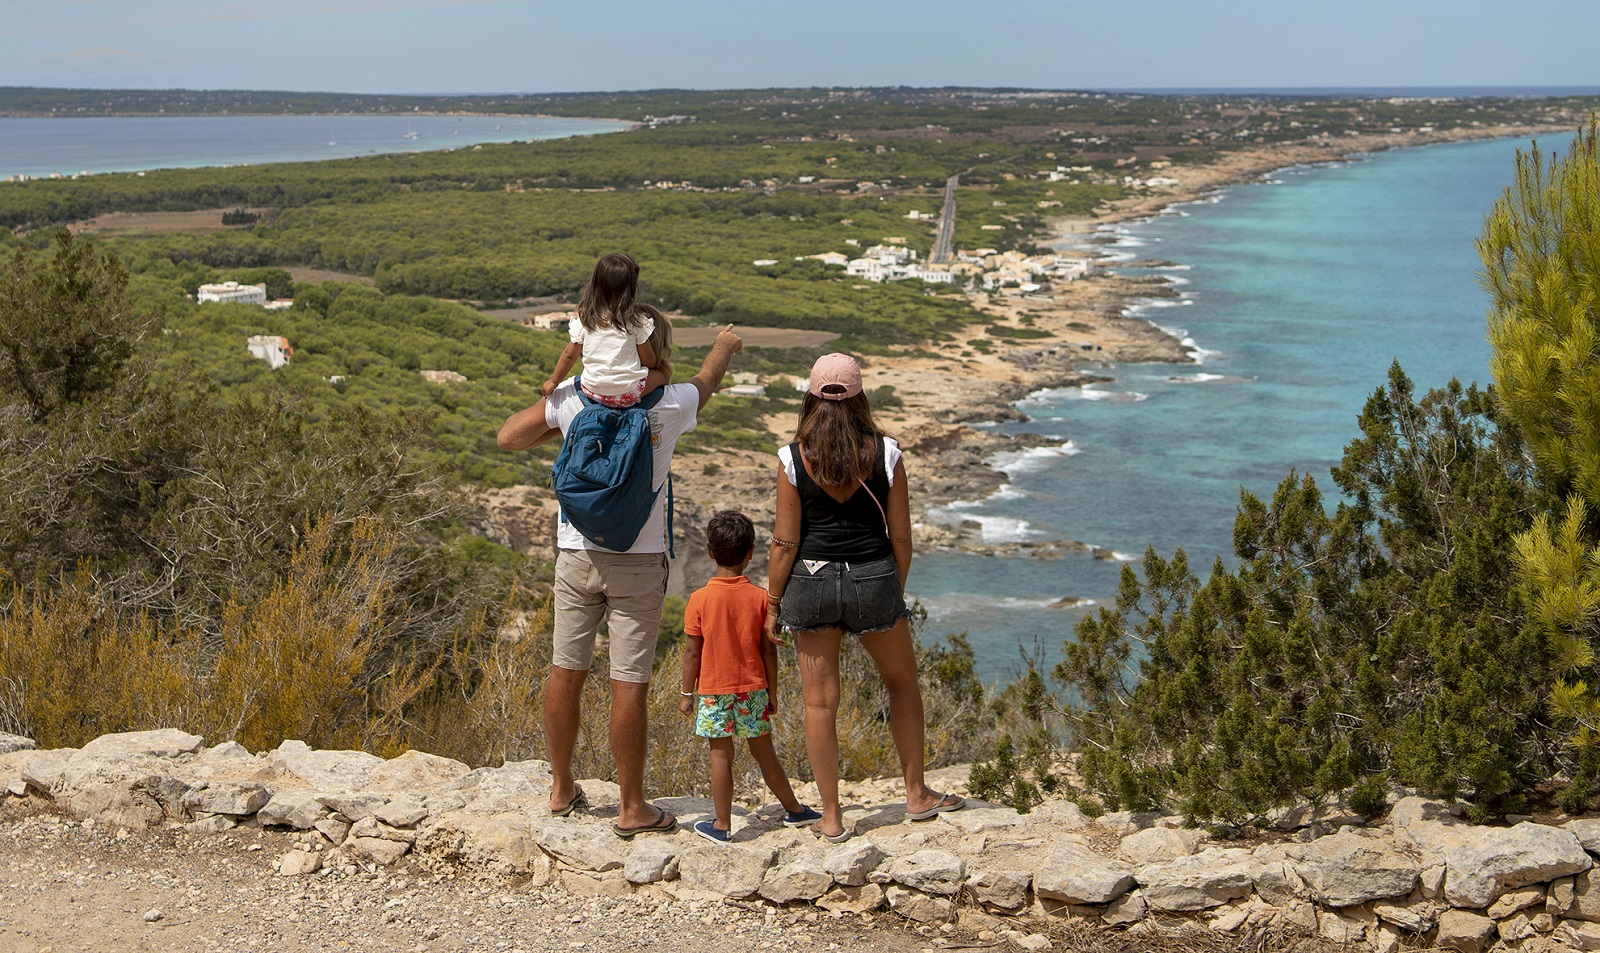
{"x": 532, "y": 46}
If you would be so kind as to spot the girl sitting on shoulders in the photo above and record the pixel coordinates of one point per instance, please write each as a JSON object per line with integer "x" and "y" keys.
{"x": 612, "y": 335}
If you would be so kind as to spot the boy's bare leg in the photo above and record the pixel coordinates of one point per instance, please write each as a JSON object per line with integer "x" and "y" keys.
{"x": 722, "y": 781}
{"x": 818, "y": 652}
{"x": 772, "y": 772}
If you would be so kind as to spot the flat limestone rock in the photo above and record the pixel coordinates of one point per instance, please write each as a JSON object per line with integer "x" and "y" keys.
{"x": 10, "y": 743}
{"x": 516, "y": 786}
{"x": 1353, "y": 867}
{"x": 931, "y": 871}
{"x": 1481, "y": 863}
{"x": 915, "y": 905}
{"x": 415, "y": 772}
{"x": 1000, "y": 889}
{"x": 238, "y": 798}
{"x": 160, "y": 743}
{"x": 1158, "y": 845}
{"x": 980, "y": 816}
{"x": 588, "y": 846}
{"x": 330, "y": 771}
{"x": 731, "y": 870}
{"x": 1200, "y": 881}
{"x": 294, "y": 807}
{"x": 497, "y": 843}
{"x": 1077, "y": 875}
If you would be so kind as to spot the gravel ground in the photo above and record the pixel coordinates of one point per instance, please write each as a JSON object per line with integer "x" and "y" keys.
{"x": 70, "y": 887}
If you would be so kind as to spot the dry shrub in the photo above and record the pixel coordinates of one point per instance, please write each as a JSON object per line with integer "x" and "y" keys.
{"x": 314, "y": 658}
{"x": 487, "y": 709}
{"x": 70, "y": 672}
{"x": 321, "y": 656}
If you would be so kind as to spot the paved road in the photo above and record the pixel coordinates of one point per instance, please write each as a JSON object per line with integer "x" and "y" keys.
{"x": 943, "y": 249}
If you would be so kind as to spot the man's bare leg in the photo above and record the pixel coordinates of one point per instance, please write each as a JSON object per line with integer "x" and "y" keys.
{"x": 563, "y": 694}
{"x": 629, "y": 730}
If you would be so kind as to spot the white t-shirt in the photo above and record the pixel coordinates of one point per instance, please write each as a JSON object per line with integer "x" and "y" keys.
{"x": 611, "y": 356}
{"x": 891, "y": 459}
{"x": 672, "y": 417}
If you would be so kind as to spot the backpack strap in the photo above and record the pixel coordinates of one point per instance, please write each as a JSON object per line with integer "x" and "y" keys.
{"x": 671, "y": 552}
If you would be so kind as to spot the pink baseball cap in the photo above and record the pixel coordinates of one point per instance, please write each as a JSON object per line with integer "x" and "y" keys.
{"x": 835, "y": 377}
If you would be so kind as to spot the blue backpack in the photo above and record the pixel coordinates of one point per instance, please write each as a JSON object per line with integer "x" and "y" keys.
{"x": 604, "y": 473}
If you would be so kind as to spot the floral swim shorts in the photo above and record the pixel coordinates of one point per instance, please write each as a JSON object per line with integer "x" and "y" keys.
{"x": 739, "y": 715}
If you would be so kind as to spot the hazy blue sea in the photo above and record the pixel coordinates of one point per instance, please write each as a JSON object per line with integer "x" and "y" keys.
{"x": 67, "y": 146}
{"x": 1298, "y": 293}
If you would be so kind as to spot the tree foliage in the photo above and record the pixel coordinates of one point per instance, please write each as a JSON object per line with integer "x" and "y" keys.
{"x": 1541, "y": 255}
{"x": 1377, "y": 642}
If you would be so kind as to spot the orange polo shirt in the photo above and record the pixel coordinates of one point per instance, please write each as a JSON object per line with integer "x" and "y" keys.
{"x": 728, "y": 616}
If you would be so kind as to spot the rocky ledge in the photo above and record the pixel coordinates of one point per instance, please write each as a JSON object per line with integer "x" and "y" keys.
{"x": 1422, "y": 877}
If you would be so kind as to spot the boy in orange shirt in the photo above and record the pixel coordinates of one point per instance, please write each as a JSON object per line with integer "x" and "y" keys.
{"x": 735, "y": 672}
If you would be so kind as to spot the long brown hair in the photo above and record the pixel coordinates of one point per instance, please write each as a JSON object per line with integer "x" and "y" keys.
{"x": 608, "y": 300}
{"x": 660, "y": 339}
{"x": 838, "y": 438}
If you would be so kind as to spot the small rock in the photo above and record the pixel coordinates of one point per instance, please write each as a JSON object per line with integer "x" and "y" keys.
{"x": 1033, "y": 941}
{"x": 851, "y": 863}
{"x": 154, "y": 915}
{"x": 860, "y": 899}
{"x": 651, "y": 863}
{"x": 1464, "y": 932}
{"x": 931, "y": 871}
{"x": 1006, "y": 890}
{"x": 299, "y": 863}
{"x": 212, "y": 824}
{"x": 1126, "y": 909}
{"x": 1515, "y": 901}
{"x": 916, "y": 905}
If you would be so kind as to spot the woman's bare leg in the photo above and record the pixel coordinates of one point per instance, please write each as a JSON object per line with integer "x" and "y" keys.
{"x": 891, "y": 651}
{"x": 818, "y": 652}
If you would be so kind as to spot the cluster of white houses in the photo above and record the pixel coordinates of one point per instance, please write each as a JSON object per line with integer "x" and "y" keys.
{"x": 984, "y": 267}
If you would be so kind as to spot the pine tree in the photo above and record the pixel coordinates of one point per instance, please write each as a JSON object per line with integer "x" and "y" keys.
{"x": 1541, "y": 256}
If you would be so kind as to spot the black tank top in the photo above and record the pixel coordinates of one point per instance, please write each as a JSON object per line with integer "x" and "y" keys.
{"x": 852, "y": 531}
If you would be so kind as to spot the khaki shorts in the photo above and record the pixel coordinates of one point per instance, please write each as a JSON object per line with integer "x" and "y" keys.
{"x": 630, "y": 587}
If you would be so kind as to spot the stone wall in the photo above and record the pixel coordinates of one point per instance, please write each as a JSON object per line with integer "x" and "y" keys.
{"x": 1422, "y": 877}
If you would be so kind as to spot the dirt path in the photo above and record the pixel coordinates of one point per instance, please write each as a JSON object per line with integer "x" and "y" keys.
{"x": 71, "y": 889}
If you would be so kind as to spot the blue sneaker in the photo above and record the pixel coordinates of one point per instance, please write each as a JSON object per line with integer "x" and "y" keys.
{"x": 801, "y": 817}
{"x": 710, "y": 831}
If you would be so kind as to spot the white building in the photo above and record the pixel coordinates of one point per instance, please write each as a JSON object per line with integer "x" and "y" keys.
{"x": 557, "y": 321}
{"x": 234, "y": 293}
{"x": 271, "y": 348}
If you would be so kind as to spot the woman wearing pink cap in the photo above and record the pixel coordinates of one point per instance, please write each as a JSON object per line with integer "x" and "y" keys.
{"x": 840, "y": 554}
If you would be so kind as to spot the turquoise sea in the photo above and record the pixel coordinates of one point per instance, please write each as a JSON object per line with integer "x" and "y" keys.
{"x": 40, "y": 147}
{"x": 1298, "y": 293}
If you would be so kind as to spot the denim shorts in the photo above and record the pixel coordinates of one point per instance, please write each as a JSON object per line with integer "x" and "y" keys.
{"x": 860, "y": 598}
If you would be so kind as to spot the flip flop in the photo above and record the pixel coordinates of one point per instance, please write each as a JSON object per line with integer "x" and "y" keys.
{"x": 845, "y": 834}
{"x": 578, "y": 800}
{"x": 945, "y": 804}
{"x": 666, "y": 822}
